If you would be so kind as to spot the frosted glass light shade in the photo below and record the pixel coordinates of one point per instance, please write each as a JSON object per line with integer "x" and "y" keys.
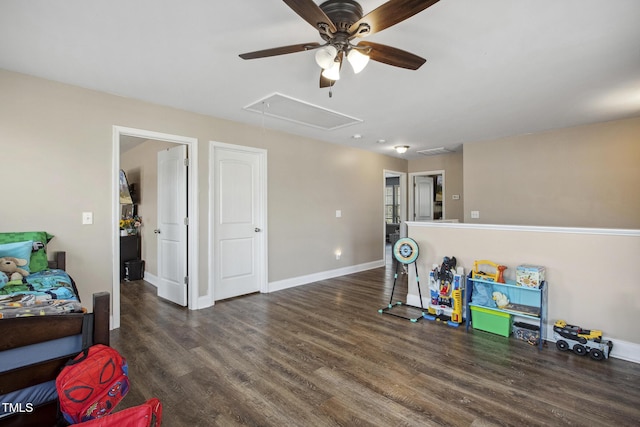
{"x": 325, "y": 56}
{"x": 332, "y": 73}
{"x": 357, "y": 60}
{"x": 401, "y": 148}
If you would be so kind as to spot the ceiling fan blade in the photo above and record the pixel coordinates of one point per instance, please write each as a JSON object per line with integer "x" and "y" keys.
{"x": 282, "y": 50}
{"x": 393, "y": 56}
{"x": 388, "y": 14}
{"x": 311, "y": 12}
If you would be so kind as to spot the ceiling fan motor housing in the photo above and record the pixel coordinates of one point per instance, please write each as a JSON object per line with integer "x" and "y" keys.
{"x": 343, "y": 13}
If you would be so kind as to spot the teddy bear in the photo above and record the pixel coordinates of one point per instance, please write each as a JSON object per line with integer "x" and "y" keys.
{"x": 11, "y": 266}
{"x": 500, "y": 299}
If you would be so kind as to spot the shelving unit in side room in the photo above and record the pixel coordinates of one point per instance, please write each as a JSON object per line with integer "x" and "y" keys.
{"x": 527, "y": 305}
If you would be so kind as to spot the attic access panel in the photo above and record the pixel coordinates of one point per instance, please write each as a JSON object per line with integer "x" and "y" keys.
{"x": 435, "y": 151}
{"x": 294, "y": 110}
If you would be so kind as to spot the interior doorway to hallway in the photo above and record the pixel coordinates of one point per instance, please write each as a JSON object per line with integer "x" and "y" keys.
{"x": 120, "y": 135}
{"x": 395, "y": 208}
{"x": 427, "y": 195}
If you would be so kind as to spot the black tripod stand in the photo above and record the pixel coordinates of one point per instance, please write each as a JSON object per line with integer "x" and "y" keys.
{"x": 406, "y": 252}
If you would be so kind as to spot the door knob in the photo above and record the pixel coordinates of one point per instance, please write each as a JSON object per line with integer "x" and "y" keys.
{"x": 257, "y": 230}
{"x": 156, "y": 231}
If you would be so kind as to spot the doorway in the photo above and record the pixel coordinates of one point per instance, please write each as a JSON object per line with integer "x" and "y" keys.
{"x": 427, "y": 195}
{"x": 120, "y": 134}
{"x": 237, "y": 220}
{"x": 394, "y": 189}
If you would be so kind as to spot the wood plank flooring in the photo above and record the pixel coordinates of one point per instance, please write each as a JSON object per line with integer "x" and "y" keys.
{"x": 322, "y": 355}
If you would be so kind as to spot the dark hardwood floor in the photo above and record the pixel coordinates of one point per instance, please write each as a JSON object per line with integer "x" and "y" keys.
{"x": 322, "y": 355}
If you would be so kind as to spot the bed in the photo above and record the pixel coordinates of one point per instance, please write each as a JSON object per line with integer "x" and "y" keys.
{"x": 36, "y": 343}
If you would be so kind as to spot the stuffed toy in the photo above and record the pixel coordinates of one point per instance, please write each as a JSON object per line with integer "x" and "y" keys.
{"x": 11, "y": 266}
{"x": 500, "y": 299}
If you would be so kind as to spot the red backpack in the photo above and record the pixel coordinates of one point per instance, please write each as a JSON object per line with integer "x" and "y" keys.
{"x": 149, "y": 414}
{"x": 92, "y": 384}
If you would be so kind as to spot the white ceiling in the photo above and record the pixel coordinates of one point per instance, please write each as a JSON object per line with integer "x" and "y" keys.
{"x": 494, "y": 68}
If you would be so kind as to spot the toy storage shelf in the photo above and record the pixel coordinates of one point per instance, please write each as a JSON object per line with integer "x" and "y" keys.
{"x": 526, "y": 304}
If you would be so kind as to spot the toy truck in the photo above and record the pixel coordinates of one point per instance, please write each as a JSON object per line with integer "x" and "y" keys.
{"x": 581, "y": 341}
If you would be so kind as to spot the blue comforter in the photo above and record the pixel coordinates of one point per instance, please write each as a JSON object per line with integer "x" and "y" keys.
{"x": 47, "y": 292}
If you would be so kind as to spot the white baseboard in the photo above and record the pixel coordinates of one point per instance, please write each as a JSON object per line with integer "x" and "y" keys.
{"x": 323, "y": 275}
{"x": 204, "y": 302}
{"x": 150, "y": 278}
{"x": 623, "y": 350}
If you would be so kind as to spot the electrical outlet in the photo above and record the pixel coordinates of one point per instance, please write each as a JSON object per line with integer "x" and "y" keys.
{"x": 475, "y": 214}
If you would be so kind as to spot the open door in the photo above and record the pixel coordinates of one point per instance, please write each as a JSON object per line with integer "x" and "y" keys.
{"x": 172, "y": 224}
{"x": 423, "y": 198}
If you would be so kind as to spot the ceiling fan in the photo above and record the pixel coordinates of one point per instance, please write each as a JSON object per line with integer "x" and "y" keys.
{"x": 339, "y": 23}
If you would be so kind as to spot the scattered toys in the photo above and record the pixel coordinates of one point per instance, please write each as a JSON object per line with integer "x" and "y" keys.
{"x": 445, "y": 289}
{"x": 496, "y": 276}
{"x": 581, "y": 341}
{"x": 526, "y": 332}
{"x": 530, "y": 276}
{"x": 500, "y": 299}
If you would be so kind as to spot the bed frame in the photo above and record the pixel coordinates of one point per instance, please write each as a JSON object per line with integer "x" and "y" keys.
{"x": 22, "y": 331}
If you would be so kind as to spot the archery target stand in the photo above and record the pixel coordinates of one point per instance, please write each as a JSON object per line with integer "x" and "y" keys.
{"x": 405, "y": 252}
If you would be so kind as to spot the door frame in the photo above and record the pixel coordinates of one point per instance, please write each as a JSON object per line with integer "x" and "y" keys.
{"x": 412, "y": 175}
{"x": 192, "y": 212}
{"x": 403, "y": 206}
{"x": 263, "y": 246}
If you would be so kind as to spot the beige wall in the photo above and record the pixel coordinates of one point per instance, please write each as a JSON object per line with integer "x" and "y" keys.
{"x": 586, "y": 176}
{"x": 451, "y": 164}
{"x": 589, "y": 273}
{"x": 60, "y": 136}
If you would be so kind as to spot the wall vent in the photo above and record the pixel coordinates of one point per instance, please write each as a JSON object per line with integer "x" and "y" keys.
{"x": 435, "y": 151}
{"x": 296, "y": 111}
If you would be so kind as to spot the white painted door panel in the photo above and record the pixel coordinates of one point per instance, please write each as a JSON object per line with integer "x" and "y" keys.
{"x": 172, "y": 230}
{"x": 237, "y": 216}
{"x": 423, "y": 198}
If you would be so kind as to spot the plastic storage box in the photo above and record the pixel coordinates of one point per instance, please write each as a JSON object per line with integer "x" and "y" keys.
{"x": 527, "y": 332}
{"x": 492, "y": 321}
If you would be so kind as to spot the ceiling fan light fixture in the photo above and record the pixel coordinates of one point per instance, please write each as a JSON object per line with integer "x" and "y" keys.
{"x": 332, "y": 73}
{"x": 325, "y": 57}
{"x": 358, "y": 60}
{"x": 401, "y": 149}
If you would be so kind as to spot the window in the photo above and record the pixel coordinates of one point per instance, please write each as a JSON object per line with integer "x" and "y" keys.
{"x": 392, "y": 201}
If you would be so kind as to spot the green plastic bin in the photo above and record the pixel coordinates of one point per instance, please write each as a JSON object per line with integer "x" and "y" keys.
{"x": 496, "y": 322}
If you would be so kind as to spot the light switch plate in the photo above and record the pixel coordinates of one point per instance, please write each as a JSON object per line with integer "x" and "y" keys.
{"x": 475, "y": 214}
{"x": 338, "y": 214}
{"x": 87, "y": 218}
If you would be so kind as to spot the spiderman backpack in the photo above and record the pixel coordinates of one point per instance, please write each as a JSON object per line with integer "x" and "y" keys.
{"x": 92, "y": 384}
{"x": 149, "y": 414}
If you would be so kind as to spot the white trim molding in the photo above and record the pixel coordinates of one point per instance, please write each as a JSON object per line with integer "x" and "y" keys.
{"x": 209, "y": 299}
{"x": 280, "y": 285}
{"x": 532, "y": 228}
{"x": 192, "y": 212}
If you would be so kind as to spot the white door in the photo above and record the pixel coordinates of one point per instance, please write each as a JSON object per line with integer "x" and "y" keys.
{"x": 423, "y": 198}
{"x": 172, "y": 228}
{"x": 238, "y": 230}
